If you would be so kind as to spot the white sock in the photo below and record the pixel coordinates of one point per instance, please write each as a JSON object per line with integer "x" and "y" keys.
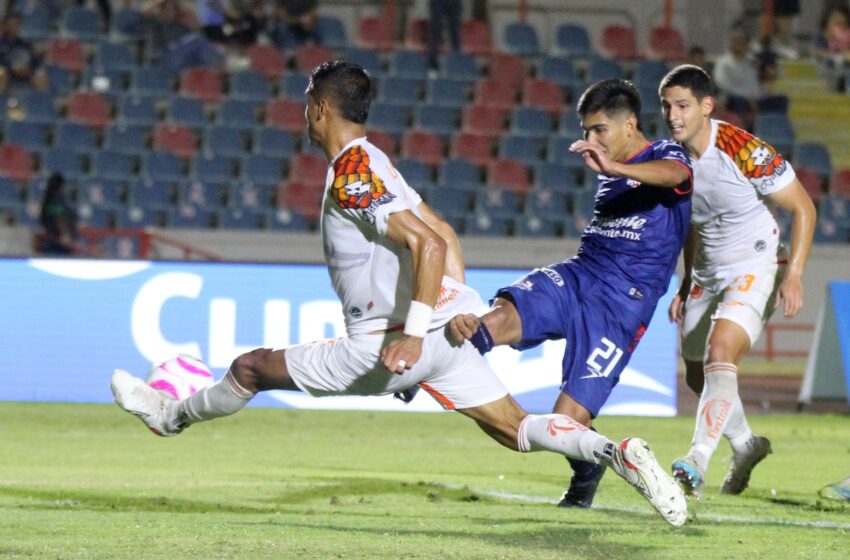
{"x": 719, "y": 408}
{"x": 562, "y": 434}
{"x": 222, "y": 398}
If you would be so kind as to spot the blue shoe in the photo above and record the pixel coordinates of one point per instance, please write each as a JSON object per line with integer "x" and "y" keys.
{"x": 689, "y": 476}
{"x": 838, "y": 491}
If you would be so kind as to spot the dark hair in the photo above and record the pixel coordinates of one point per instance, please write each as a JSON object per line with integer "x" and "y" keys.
{"x": 54, "y": 184}
{"x": 611, "y": 96}
{"x": 691, "y": 77}
{"x": 346, "y": 85}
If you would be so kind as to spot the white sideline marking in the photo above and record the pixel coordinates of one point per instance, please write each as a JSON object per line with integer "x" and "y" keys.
{"x": 710, "y": 516}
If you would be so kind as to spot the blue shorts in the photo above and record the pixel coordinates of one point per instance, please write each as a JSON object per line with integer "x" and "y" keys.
{"x": 602, "y": 326}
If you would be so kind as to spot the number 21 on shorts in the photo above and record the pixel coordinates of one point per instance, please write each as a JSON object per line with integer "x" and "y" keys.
{"x": 603, "y": 359}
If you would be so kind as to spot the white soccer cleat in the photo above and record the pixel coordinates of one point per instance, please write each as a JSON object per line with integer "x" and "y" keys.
{"x": 146, "y": 403}
{"x": 634, "y": 461}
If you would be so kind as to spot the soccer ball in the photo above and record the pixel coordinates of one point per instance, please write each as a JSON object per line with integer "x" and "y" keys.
{"x": 180, "y": 377}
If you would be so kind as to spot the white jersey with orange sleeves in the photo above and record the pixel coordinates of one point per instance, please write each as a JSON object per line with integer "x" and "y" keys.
{"x": 371, "y": 274}
{"x": 735, "y": 222}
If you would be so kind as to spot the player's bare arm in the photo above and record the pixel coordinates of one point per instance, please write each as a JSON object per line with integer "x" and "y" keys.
{"x": 454, "y": 255}
{"x": 429, "y": 258}
{"x": 661, "y": 173}
{"x": 794, "y": 200}
{"x": 689, "y": 251}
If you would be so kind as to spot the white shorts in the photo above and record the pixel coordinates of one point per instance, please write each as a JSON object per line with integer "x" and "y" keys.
{"x": 456, "y": 376}
{"x": 745, "y": 299}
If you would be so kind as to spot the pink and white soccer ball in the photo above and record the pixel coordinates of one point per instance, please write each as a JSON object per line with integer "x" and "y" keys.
{"x": 180, "y": 377}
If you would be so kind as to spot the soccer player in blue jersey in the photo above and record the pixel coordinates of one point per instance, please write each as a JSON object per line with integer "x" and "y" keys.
{"x": 602, "y": 299}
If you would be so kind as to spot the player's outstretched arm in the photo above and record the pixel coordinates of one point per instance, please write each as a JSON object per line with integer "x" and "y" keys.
{"x": 659, "y": 173}
{"x": 429, "y": 257}
{"x": 454, "y": 255}
{"x": 795, "y": 200}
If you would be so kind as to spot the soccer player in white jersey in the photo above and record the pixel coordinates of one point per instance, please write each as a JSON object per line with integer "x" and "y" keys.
{"x": 388, "y": 257}
{"x": 736, "y": 269}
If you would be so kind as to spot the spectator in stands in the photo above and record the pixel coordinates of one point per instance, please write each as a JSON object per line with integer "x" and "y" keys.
{"x": 697, "y": 57}
{"x": 58, "y": 219}
{"x": 295, "y": 23}
{"x": 735, "y": 73}
{"x": 833, "y": 41}
{"x": 784, "y": 12}
{"x": 105, "y": 11}
{"x": 19, "y": 64}
{"x": 172, "y": 41}
{"x": 443, "y": 12}
{"x": 226, "y": 21}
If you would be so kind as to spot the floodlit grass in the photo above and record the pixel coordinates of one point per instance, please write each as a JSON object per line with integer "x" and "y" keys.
{"x": 89, "y": 481}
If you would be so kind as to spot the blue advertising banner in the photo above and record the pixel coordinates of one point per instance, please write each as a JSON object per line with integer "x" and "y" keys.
{"x": 66, "y": 324}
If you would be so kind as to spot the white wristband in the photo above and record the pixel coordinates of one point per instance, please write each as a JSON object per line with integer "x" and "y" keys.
{"x": 418, "y": 319}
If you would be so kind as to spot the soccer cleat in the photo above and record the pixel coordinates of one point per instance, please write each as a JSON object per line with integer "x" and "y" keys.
{"x": 743, "y": 465}
{"x": 146, "y": 403}
{"x": 634, "y": 461}
{"x": 580, "y": 493}
{"x": 689, "y": 476}
{"x": 838, "y": 491}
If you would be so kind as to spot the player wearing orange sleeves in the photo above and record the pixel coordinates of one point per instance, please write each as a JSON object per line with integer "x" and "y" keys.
{"x": 736, "y": 269}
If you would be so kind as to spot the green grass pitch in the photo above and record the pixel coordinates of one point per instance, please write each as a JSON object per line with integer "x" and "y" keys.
{"x": 89, "y": 481}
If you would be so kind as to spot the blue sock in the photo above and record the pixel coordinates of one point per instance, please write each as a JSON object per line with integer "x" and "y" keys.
{"x": 482, "y": 339}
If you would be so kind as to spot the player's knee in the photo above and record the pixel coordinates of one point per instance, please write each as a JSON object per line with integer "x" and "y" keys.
{"x": 722, "y": 349}
{"x": 248, "y": 368}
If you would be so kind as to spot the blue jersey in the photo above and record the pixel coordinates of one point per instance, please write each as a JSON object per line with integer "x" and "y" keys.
{"x": 637, "y": 231}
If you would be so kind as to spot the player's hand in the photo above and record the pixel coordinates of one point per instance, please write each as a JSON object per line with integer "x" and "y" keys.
{"x": 595, "y": 156}
{"x": 677, "y": 309}
{"x": 462, "y": 327}
{"x": 401, "y": 354}
{"x": 791, "y": 291}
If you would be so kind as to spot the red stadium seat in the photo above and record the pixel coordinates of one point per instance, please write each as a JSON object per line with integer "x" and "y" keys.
{"x": 484, "y": 120}
{"x": 423, "y": 146}
{"x": 267, "y": 61}
{"x": 812, "y": 182}
{"x": 286, "y": 114}
{"x": 508, "y": 69}
{"x": 309, "y": 169}
{"x": 666, "y": 43}
{"x": 303, "y": 199}
{"x": 416, "y": 35}
{"x": 384, "y": 141}
{"x": 839, "y": 183}
{"x": 174, "y": 138}
{"x": 307, "y": 57}
{"x": 88, "y": 108}
{"x": 15, "y": 163}
{"x": 509, "y": 174}
{"x": 476, "y": 148}
{"x": 66, "y": 53}
{"x": 543, "y": 94}
{"x": 475, "y": 37}
{"x": 201, "y": 83}
{"x": 619, "y": 42}
{"x": 495, "y": 94}
{"x": 375, "y": 32}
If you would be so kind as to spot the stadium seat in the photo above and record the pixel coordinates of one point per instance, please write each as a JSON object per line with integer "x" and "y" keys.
{"x": 408, "y": 64}
{"x": 508, "y": 69}
{"x": 666, "y": 43}
{"x": 603, "y": 69}
{"x": 415, "y": 172}
{"x": 531, "y": 121}
{"x": 436, "y": 119}
{"x": 151, "y": 194}
{"x": 251, "y": 196}
{"x": 813, "y": 156}
{"x": 283, "y": 219}
{"x": 400, "y": 91}
{"x": 128, "y": 23}
{"x": 836, "y": 208}
{"x": 305, "y": 199}
{"x": 572, "y": 40}
{"x": 829, "y": 231}
{"x": 88, "y": 108}
{"x": 619, "y": 42}
{"x": 249, "y": 86}
{"x": 81, "y": 23}
{"x": 449, "y": 202}
{"x": 388, "y": 118}
{"x": 648, "y": 74}
{"x": 370, "y": 60}
{"x": 561, "y": 71}
{"x": 776, "y": 130}
{"x": 126, "y": 139}
{"x": 812, "y": 182}
{"x": 457, "y": 173}
{"x": 286, "y": 115}
{"x": 484, "y": 225}
{"x": 133, "y": 216}
{"x": 556, "y": 177}
{"x": 525, "y": 149}
{"x": 11, "y": 200}
{"x": 377, "y": 33}
{"x": 728, "y": 117}
{"x": 446, "y": 93}
{"x": 497, "y": 202}
{"x": 557, "y": 151}
{"x": 521, "y": 39}
{"x": 491, "y": 93}
{"x": 75, "y": 137}
{"x": 384, "y": 141}
{"x": 67, "y": 53}
{"x": 29, "y": 135}
{"x": 101, "y": 193}
{"x": 423, "y": 146}
{"x": 35, "y": 23}
{"x": 331, "y": 31}
{"x": 547, "y": 203}
{"x": 190, "y": 217}
{"x": 476, "y": 148}
{"x": 839, "y": 182}
{"x": 773, "y": 104}
{"x": 273, "y": 142}
{"x": 308, "y": 57}
{"x": 543, "y": 94}
{"x": 175, "y": 139}
{"x": 109, "y": 164}
{"x": 240, "y": 218}
{"x": 60, "y": 81}
{"x": 458, "y": 66}
{"x": 212, "y": 168}
{"x": 115, "y": 56}
{"x": 570, "y": 125}
{"x": 188, "y": 111}
{"x": 484, "y": 120}
{"x": 201, "y": 83}
{"x": 416, "y": 34}
{"x": 155, "y": 81}
{"x": 293, "y": 86}
{"x": 267, "y": 61}
{"x": 530, "y": 225}
{"x": 60, "y": 160}
{"x": 162, "y": 166}
{"x": 137, "y": 111}
{"x": 108, "y": 83}
{"x": 260, "y": 169}
{"x": 236, "y": 113}
{"x": 509, "y": 174}
{"x": 308, "y": 169}
{"x": 475, "y": 38}
{"x": 39, "y": 107}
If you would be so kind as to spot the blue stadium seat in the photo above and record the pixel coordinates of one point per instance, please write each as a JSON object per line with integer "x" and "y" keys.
{"x": 459, "y": 174}
{"x": 101, "y": 193}
{"x": 127, "y": 139}
{"x": 235, "y": 113}
{"x": 813, "y": 156}
{"x": 282, "y": 219}
{"x": 400, "y": 90}
{"x": 556, "y": 177}
{"x": 35, "y": 24}
{"x": 603, "y": 69}
{"x": 133, "y": 216}
{"x": 387, "y": 118}
{"x": 829, "y": 231}
{"x": 82, "y": 23}
{"x": 29, "y": 135}
{"x": 188, "y": 111}
{"x": 225, "y": 141}
{"x": 190, "y": 217}
{"x": 530, "y": 225}
{"x": 106, "y": 82}
{"x": 128, "y": 23}
{"x": 262, "y": 169}
{"x": 115, "y": 56}
{"x": 95, "y": 216}
{"x": 202, "y": 195}
{"x": 251, "y": 196}
{"x": 436, "y": 119}
{"x": 211, "y": 168}
{"x": 332, "y": 32}
{"x": 496, "y": 202}
{"x": 570, "y": 125}
{"x": 776, "y": 130}
{"x": 584, "y": 203}
{"x": 408, "y": 64}
{"x": 154, "y": 81}
{"x": 448, "y": 202}
{"x": 70, "y": 164}
{"x": 293, "y": 86}
{"x": 648, "y": 74}
{"x": 547, "y": 203}
{"x": 149, "y": 194}
{"x": 773, "y": 104}
{"x": 572, "y": 40}
{"x": 39, "y": 107}
{"x": 459, "y": 66}
{"x": 482, "y": 224}
{"x": 60, "y": 80}
{"x": 137, "y": 111}
{"x": 73, "y": 136}
{"x": 557, "y": 151}
{"x": 527, "y": 149}
{"x": 531, "y": 121}
{"x": 561, "y": 71}
{"x": 109, "y": 164}
{"x": 162, "y": 166}
{"x": 446, "y": 93}
{"x": 274, "y": 142}
{"x": 240, "y": 218}
{"x": 366, "y": 58}
{"x": 249, "y": 86}
{"x": 414, "y": 172}
{"x": 836, "y": 208}
{"x": 521, "y": 39}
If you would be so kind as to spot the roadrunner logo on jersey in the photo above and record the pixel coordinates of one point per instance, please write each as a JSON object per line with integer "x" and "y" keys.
{"x": 356, "y": 187}
{"x": 757, "y": 161}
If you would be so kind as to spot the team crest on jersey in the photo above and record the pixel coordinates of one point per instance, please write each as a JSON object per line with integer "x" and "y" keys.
{"x": 753, "y": 157}
{"x": 760, "y": 245}
{"x": 355, "y": 186}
